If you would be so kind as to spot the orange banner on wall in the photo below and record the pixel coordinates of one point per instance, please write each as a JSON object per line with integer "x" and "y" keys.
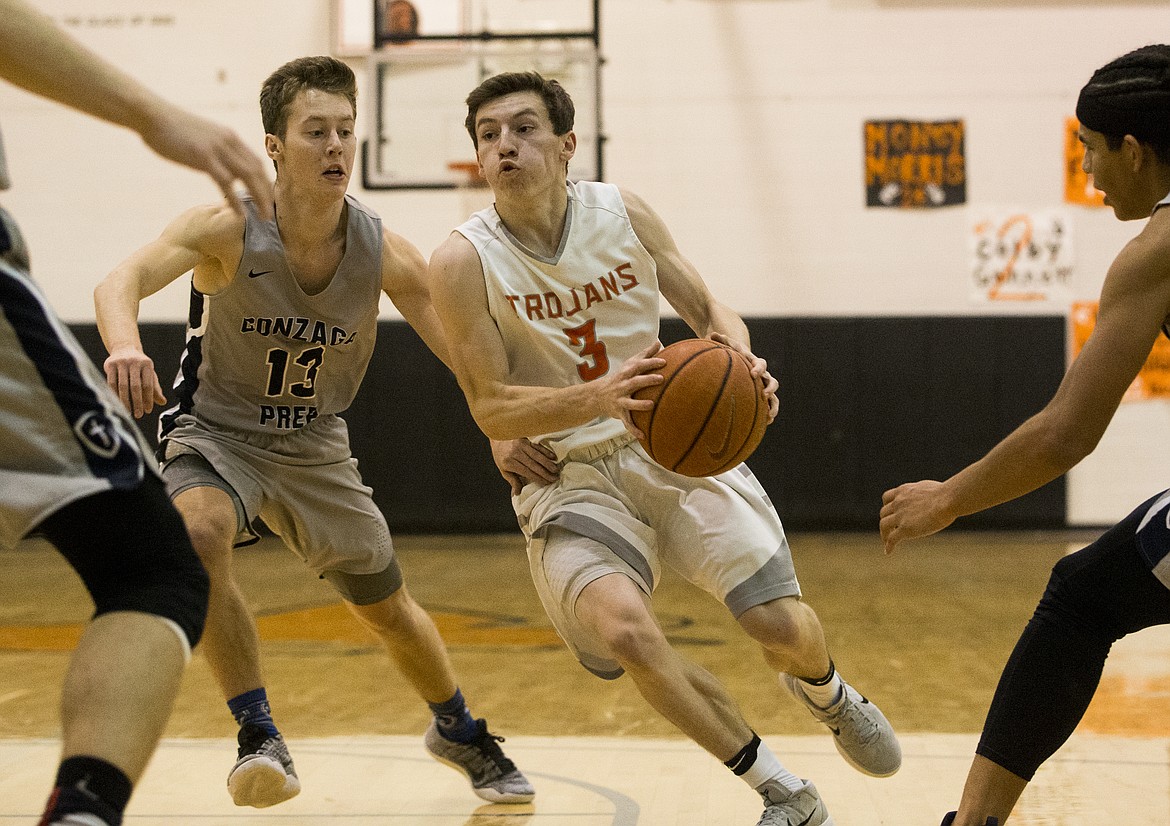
{"x": 915, "y": 164}
{"x": 1153, "y": 380}
{"x": 1078, "y": 186}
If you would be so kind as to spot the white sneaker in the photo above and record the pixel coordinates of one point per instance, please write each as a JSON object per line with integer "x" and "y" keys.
{"x": 863, "y": 735}
{"x": 802, "y": 808}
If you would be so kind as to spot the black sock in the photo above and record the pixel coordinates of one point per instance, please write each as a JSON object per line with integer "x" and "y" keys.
{"x": 87, "y": 784}
{"x": 745, "y": 757}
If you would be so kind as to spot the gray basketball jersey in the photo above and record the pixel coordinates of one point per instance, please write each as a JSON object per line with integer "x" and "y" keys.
{"x": 262, "y": 355}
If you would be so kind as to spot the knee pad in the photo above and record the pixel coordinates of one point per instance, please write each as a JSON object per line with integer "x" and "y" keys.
{"x": 131, "y": 550}
{"x": 366, "y": 589}
{"x": 1071, "y": 599}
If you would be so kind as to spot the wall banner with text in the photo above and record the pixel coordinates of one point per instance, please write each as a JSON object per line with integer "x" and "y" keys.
{"x": 1152, "y": 381}
{"x": 1020, "y": 256}
{"x": 1078, "y": 186}
{"x": 915, "y": 164}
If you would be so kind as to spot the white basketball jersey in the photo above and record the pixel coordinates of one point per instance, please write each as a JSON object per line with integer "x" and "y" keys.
{"x": 577, "y": 315}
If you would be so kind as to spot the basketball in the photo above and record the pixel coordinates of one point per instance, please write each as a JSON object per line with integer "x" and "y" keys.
{"x": 709, "y": 412}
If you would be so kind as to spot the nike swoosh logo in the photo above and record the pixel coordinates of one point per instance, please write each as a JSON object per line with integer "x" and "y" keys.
{"x": 254, "y": 274}
{"x": 722, "y": 451}
{"x": 837, "y": 731}
{"x": 808, "y": 819}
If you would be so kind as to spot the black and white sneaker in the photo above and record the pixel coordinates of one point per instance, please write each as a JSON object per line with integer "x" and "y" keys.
{"x": 263, "y": 775}
{"x": 493, "y": 776}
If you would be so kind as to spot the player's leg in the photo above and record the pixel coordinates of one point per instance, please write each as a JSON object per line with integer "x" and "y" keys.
{"x": 600, "y": 606}
{"x": 150, "y": 595}
{"x": 263, "y": 774}
{"x": 412, "y": 640}
{"x": 614, "y": 610}
{"x": 727, "y": 539}
{"x": 791, "y": 636}
{"x": 413, "y": 643}
{"x": 328, "y": 517}
{"x": 793, "y": 642}
{"x": 231, "y": 642}
{"x": 1094, "y": 598}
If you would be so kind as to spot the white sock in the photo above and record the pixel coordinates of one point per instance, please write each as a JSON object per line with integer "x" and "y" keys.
{"x": 827, "y": 692}
{"x": 766, "y": 770}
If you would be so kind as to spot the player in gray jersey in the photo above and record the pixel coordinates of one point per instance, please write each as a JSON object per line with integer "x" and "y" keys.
{"x": 75, "y": 470}
{"x": 535, "y": 361}
{"x": 1119, "y": 584}
{"x": 282, "y": 325}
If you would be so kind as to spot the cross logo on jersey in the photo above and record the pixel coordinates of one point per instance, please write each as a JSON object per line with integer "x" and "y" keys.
{"x": 98, "y": 434}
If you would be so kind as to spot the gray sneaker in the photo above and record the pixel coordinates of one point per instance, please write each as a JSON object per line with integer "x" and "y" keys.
{"x": 785, "y": 808}
{"x": 862, "y": 733}
{"x": 263, "y": 775}
{"x": 493, "y": 776}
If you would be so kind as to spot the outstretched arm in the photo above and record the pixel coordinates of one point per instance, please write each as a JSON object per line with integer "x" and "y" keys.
{"x": 36, "y": 55}
{"x": 1135, "y": 301}
{"x": 404, "y": 280}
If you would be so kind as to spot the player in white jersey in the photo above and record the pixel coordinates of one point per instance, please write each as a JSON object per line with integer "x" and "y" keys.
{"x": 73, "y": 467}
{"x": 551, "y": 301}
{"x": 1121, "y": 583}
{"x": 284, "y": 314}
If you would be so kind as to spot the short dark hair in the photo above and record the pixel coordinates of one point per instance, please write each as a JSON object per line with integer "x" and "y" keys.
{"x": 556, "y": 99}
{"x": 324, "y": 73}
{"x": 1131, "y": 96}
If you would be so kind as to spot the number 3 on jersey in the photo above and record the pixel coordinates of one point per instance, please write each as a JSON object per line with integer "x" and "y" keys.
{"x": 585, "y": 337}
{"x": 309, "y": 359}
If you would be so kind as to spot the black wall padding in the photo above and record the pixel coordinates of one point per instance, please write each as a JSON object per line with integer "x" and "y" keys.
{"x": 866, "y": 403}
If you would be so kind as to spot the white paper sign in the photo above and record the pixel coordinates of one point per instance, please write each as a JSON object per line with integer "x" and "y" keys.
{"x": 1021, "y": 256}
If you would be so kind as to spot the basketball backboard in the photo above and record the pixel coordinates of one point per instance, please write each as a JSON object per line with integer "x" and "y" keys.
{"x": 425, "y": 56}
{"x": 418, "y": 139}
{"x": 362, "y": 26}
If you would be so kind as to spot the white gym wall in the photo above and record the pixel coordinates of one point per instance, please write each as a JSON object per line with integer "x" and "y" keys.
{"x": 739, "y": 120}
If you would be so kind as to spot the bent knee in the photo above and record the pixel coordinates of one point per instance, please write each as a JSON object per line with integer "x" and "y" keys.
{"x": 213, "y": 540}
{"x": 778, "y": 623}
{"x": 133, "y": 552}
{"x": 633, "y": 641}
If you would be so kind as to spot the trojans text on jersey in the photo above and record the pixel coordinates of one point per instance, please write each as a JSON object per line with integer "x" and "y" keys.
{"x": 538, "y": 306}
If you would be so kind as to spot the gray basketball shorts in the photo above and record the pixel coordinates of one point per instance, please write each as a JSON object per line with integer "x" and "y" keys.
{"x": 313, "y": 498}
{"x": 720, "y": 533}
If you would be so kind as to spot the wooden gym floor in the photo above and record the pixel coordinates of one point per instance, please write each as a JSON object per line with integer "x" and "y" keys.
{"x": 924, "y": 634}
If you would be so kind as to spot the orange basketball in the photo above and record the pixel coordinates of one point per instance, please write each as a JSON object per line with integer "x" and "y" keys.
{"x": 709, "y": 412}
